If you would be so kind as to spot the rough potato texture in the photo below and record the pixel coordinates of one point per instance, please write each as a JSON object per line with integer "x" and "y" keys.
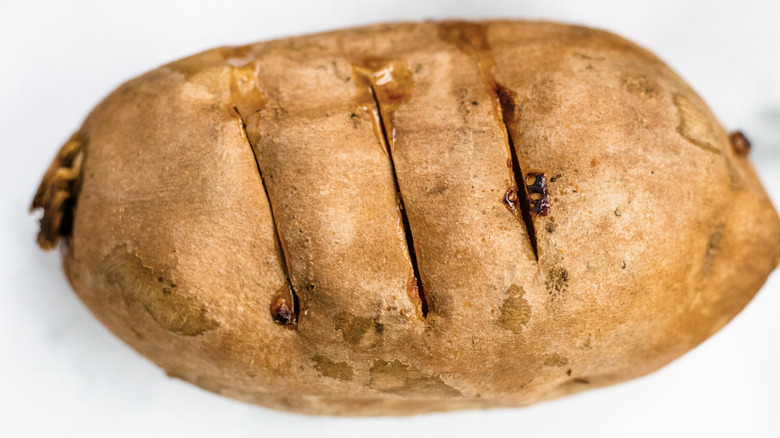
{"x": 407, "y": 218}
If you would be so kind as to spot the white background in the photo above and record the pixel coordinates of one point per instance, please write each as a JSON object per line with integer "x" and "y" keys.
{"x": 62, "y": 374}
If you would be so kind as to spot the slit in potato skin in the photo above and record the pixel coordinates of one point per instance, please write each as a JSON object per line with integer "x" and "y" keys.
{"x": 383, "y": 85}
{"x": 285, "y": 305}
{"x": 471, "y": 39}
{"x": 417, "y": 281}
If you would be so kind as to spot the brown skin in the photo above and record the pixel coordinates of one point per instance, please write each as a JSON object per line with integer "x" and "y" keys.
{"x": 331, "y": 224}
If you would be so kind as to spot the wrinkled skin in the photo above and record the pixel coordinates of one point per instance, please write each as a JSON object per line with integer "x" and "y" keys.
{"x": 331, "y": 224}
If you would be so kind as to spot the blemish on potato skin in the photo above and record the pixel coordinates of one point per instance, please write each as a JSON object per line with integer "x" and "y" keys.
{"x": 515, "y": 312}
{"x": 714, "y": 242}
{"x": 639, "y": 85}
{"x": 587, "y": 57}
{"x": 283, "y": 307}
{"x": 713, "y": 246}
{"x": 694, "y": 125}
{"x": 555, "y": 360}
{"x": 557, "y": 283}
{"x": 210, "y": 383}
{"x": 359, "y": 331}
{"x": 401, "y": 379}
{"x": 176, "y": 312}
{"x": 538, "y": 194}
{"x": 740, "y": 143}
{"x": 438, "y": 188}
{"x": 329, "y": 368}
{"x": 137, "y": 333}
{"x": 572, "y": 385}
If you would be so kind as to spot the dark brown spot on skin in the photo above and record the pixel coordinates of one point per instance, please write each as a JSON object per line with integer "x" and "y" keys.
{"x": 538, "y": 196}
{"x": 740, "y": 143}
{"x": 515, "y": 312}
{"x": 334, "y": 370}
{"x": 398, "y": 378}
{"x": 180, "y": 313}
{"x": 360, "y": 331}
{"x": 283, "y": 315}
{"x": 557, "y": 283}
{"x": 283, "y": 307}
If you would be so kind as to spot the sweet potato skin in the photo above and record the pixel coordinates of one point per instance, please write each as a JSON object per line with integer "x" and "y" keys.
{"x": 365, "y": 180}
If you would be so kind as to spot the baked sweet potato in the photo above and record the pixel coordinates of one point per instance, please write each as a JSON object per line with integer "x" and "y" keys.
{"x": 406, "y": 218}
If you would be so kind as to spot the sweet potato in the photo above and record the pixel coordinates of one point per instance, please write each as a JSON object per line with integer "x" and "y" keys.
{"x": 407, "y": 218}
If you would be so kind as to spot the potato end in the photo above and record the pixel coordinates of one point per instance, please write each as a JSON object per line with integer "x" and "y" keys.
{"x": 58, "y": 193}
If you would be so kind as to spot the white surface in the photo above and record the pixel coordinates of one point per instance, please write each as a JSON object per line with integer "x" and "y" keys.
{"x": 63, "y": 374}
